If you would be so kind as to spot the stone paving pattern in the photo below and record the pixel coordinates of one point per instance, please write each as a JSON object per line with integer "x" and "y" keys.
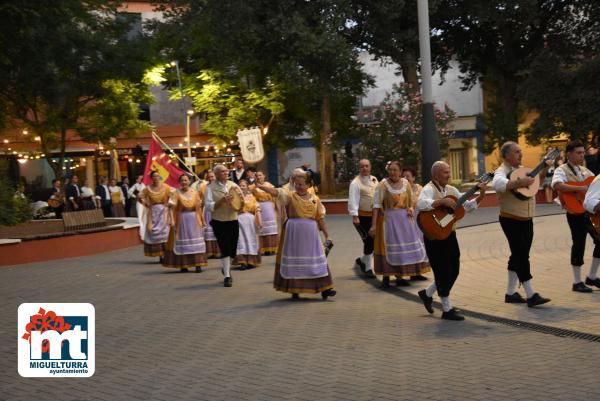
{"x": 164, "y": 335}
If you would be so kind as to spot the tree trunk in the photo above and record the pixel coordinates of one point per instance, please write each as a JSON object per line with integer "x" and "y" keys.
{"x": 409, "y": 65}
{"x": 325, "y": 161}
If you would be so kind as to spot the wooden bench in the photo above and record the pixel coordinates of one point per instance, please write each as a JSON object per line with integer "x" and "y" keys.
{"x": 83, "y": 219}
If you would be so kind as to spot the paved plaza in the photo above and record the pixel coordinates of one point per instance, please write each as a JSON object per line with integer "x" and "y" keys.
{"x": 165, "y": 335}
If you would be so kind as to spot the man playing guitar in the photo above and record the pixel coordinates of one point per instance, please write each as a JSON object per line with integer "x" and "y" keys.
{"x": 444, "y": 254}
{"x": 516, "y": 220}
{"x": 57, "y": 199}
{"x": 570, "y": 172}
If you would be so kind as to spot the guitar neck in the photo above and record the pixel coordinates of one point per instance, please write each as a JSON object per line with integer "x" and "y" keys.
{"x": 537, "y": 170}
{"x": 466, "y": 196}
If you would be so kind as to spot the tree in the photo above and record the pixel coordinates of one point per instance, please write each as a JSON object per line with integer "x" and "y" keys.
{"x": 563, "y": 88}
{"x": 388, "y": 29}
{"x": 495, "y": 42}
{"x": 57, "y": 63}
{"x": 296, "y": 44}
{"x": 230, "y": 106}
{"x": 395, "y": 131}
{"x": 116, "y": 112}
{"x": 565, "y": 98}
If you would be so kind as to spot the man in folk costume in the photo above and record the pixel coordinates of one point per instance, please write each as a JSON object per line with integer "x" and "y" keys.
{"x": 224, "y": 217}
{"x": 574, "y": 171}
{"x": 360, "y": 207}
{"x": 516, "y": 220}
{"x": 444, "y": 255}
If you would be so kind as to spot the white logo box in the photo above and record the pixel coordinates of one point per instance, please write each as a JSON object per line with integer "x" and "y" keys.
{"x": 79, "y": 364}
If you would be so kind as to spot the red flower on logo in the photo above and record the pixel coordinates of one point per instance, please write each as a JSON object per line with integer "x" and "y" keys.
{"x": 43, "y": 321}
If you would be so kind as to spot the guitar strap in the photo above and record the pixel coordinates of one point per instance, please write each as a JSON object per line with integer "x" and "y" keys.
{"x": 437, "y": 186}
{"x": 575, "y": 172}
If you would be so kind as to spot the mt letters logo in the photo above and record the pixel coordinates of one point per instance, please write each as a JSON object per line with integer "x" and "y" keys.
{"x": 56, "y": 340}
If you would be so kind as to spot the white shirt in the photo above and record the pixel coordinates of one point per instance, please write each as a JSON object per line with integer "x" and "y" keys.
{"x": 209, "y": 203}
{"x": 239, "y": 173}
{"x": 561, "y": 177}
{"x": 592, "y": 196}
{"x": 86, "y": 192}
{"x": 426, "y": 198}
{"x": 354, "y": 194}
{"x": 500, "y": 178}
{"x": 140, "y": 187}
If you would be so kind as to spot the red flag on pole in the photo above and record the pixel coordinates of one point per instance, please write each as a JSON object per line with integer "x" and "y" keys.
{"x": 159, "y": 161}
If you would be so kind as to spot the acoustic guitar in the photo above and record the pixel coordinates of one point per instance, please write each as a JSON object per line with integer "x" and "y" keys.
{"x": 437, "y": 224}
{"x": 524, "y": 193}
{"x": 573, "y": 201}
{"x": 56, "y": 200}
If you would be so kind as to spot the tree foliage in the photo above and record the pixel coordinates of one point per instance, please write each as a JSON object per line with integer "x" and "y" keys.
{"x": 230, "y": 105}
{"x": 395, "y": 132}
{"x": 58, "y": 61}
{"x": 497, "y": 41}
{"x": 294, "y": 44}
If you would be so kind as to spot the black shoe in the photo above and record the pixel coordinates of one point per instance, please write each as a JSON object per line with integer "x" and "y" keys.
{"x": 370, "y": 274}
{"x": 580, "y": 287}
{"x": 295, "y": 296}
{"x": 400, "y": 282}
{"x": 418, "y": 277}
{"x": 595, "y": 282}
{"x": 515, "y": 298}
{"x": 243, "y": 267}
{"x": 536, "y": 300}
{"x": 184, "y": 270}
{"x": 360, "y": 264}
{"x": 427, "y": 301}
{"x": 452, "y": 314}
{"x": 198, "y": 269}
{"x": 161, "y": 259}
{"x": 228, "y": 282}
{"x": 328, "y": 293}
{"x": 250, "y": 267}
{"x": 385, "y": 283}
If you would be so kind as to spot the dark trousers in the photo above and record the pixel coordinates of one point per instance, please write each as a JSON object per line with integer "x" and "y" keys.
{"x": 58, "y": 211}
{"x": 444, "y": 258}
{"x": 519, "y": 234}
{"x": 363, "y": 230}
{"x": 107, "y": 208}
{"x": 128, "y": 207}
{"x": 578, "y": 235}
{"x": 227, "y": 233}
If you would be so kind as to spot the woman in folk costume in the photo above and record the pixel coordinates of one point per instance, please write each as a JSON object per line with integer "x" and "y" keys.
{"x": 117, "y": 199}
{"x": 212, "y": 248}
{"x": 249, "y": 218}
{"x": 301, "y": 263}
{"x": 399, "y": 248}
{"x": 155, "y": 198}
{"x": 185, "y": 248}
{"x": 269, "y": 232}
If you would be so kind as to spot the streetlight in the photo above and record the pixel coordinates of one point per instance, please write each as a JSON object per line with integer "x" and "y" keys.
{"x": 429, "y": 143}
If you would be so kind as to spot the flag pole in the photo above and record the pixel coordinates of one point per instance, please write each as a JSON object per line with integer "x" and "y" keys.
{"x": 163, "y": 143}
